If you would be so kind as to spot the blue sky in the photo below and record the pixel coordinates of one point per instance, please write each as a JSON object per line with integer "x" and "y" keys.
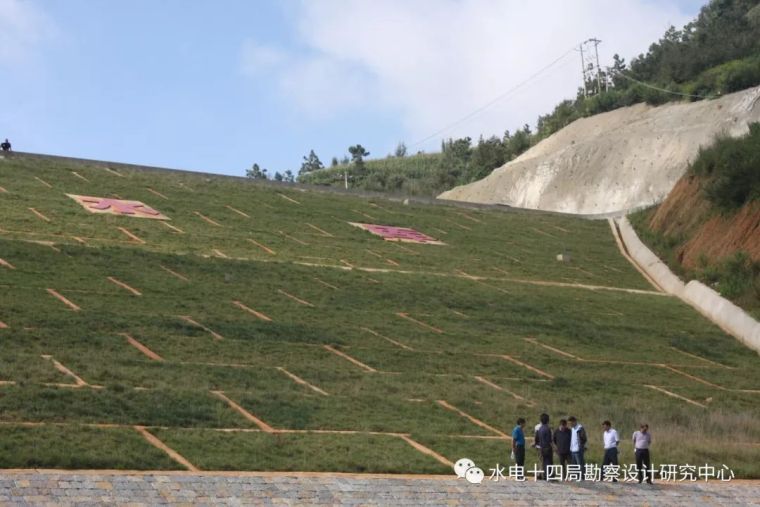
{"x": 216, "y": 86}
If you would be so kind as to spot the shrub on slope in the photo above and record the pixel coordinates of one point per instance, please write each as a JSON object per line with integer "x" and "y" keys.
{"x": 732, "y": 168}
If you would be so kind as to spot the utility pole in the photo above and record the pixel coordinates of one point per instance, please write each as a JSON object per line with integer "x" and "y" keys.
{"x": 590, "y": 64}
{"x": 596, "y": 43}
{"x": 583, "y": 70}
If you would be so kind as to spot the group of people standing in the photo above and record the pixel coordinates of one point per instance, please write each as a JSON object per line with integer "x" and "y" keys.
{"x": 569, "y": 440}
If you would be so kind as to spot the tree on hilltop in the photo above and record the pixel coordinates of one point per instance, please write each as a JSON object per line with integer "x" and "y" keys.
{"x": 616, "y": 71}
{"x": 358, "y": 152}
{"x": 257, "y": 173}
{"x": 310, "y": 163}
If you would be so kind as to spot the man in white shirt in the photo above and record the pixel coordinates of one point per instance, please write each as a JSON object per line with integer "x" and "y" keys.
{"x": 578, "y": 441}
{"x": 611, "y": 440}
{"x": 642, "y": 439}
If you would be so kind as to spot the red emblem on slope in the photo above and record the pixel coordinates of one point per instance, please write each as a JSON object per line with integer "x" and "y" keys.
{"x": 117, "y": 207}
{"x": 393, "y": 233}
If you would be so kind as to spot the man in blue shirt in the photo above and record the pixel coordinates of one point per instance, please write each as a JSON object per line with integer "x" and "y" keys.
{"x": 518, "y": 442}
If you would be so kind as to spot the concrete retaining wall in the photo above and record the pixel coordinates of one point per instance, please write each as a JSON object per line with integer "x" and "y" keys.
{"x": 722, "y": 312}
{"x": 648, "y": 261}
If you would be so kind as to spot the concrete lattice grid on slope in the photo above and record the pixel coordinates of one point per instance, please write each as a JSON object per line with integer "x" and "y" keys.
{"x": 353, "y": 262}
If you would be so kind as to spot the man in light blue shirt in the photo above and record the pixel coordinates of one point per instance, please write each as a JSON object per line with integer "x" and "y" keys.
{"x": 642, "y": 439}
{"x": 518, "y": 442}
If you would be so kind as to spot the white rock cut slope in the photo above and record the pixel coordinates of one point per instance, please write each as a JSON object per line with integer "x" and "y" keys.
{"x": 615, "y": 161}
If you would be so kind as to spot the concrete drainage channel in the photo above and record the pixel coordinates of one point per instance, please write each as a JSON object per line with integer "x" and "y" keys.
{"x": 726, "y": 315}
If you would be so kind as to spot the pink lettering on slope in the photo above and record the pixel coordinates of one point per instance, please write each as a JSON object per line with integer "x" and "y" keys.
{"x": 119, "y": 206}
{"x": 399, "y": 233}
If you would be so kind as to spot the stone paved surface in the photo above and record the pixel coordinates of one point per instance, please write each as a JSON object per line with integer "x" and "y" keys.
{"x": 134, "y": 488}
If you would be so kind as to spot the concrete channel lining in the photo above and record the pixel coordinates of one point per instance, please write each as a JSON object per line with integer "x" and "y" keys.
{"x": 726, "y": 315}
{"x": 648, "y": 261}
{"x": 723, "y": 312}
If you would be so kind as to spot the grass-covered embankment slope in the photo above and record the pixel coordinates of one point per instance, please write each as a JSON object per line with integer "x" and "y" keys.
{"x": 709, "y": 226}
{"x": 264, "y": 294}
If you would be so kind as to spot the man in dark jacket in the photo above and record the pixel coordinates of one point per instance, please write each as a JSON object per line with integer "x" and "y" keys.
{"x": 561, "y": 439}
{"x": 544, "y": 444}
{"x": 5, "y": 145}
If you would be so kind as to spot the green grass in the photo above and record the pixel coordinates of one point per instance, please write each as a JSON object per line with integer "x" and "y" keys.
{"x": 353, "y": 311}
{"x": 79, "y": 447}
{"x": 523, "y": 248}
{"x": 116, "y": 406}
{"x": 297, "y": 452}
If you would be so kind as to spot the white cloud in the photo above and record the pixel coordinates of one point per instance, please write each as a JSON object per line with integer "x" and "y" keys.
{"x": 315, "y": 83}
{"x": 23, "y": 28}
{"x": 258, "y": 59}
{"x": 434, "y": 61}
{"x": 321, "y": 85}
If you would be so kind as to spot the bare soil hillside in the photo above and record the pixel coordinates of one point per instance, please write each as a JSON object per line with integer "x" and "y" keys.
{"x": 706, "y": 234}
{"x": 615, "y": 161}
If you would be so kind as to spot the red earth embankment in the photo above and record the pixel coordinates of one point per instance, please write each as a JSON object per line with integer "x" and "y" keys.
{"x": 706, "y": 236}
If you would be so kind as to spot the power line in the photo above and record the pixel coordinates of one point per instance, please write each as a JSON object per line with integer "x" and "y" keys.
{"x": 664, "y": 90}
{"x": 530, "y": 78}
{"x": 494, "y": 101}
